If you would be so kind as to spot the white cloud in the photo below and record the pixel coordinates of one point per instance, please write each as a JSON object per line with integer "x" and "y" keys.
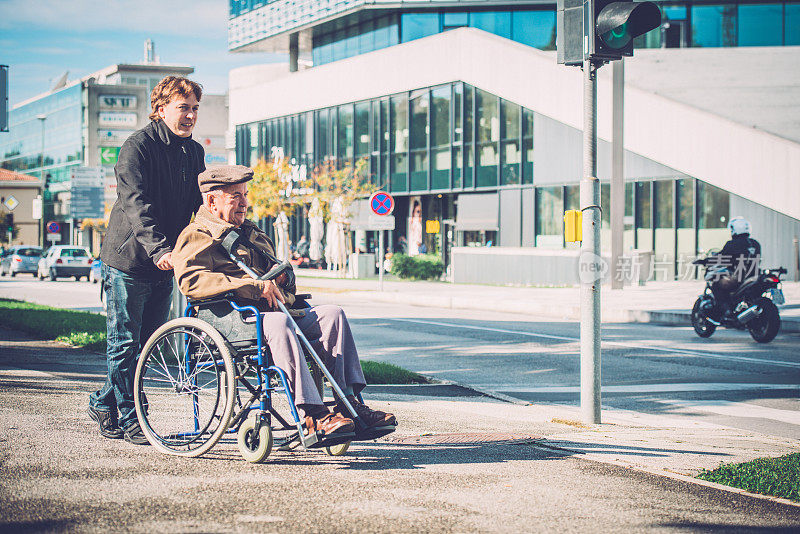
{"x": 196, "y": 17}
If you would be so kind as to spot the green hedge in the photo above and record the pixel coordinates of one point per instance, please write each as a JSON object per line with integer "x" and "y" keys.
{"x": 422, "y": 267}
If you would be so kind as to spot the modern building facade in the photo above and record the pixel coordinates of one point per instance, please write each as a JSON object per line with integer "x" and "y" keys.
{"x": 459, "y": 108}
{"x": 83, "y": 123}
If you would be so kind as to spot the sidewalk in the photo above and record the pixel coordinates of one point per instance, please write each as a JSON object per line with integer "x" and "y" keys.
{"x": 656, "y": 302}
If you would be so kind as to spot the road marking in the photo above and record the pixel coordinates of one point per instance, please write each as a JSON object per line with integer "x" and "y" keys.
{"x": 624, "y": 344}
{"x": 740, "y": 409}
{"x": 645, "y": 388}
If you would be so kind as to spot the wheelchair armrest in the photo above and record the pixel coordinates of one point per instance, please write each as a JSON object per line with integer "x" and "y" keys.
{"x": 222, "y": 297}
{"x": 301, "y": 301}
{"x": 303, "y": 296}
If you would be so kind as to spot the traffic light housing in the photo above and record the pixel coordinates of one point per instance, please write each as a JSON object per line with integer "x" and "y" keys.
{"x": 601, "y": 29}
{"x": 8, "y": 224}
{"x": 614, "y": 25}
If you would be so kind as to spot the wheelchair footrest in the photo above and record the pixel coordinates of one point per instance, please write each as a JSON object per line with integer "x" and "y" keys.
{"x": 315, "y": 441}
{"x": 375, "y": 432}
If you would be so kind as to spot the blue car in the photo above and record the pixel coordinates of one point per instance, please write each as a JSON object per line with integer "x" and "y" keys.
{"x": 94, "y": 271}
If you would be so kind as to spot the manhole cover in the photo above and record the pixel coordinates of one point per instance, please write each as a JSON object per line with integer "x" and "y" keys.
{"x": 468, "y": 438}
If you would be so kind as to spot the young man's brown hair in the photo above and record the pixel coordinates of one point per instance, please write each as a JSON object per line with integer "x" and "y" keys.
{"x": 169, "y": 88}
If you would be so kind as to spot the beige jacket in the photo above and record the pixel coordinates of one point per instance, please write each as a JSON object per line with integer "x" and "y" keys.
{"x": 203, "y": 268}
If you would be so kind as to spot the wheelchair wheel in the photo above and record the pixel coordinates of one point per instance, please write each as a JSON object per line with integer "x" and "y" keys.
{"x": 254, "y": 448}
{"x": 337, "y": 450}
{"x": 184, "y": 387}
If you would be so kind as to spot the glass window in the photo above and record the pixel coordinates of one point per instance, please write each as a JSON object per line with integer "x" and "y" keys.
{"x": 572, "y": 197}
{"x": 674, "y": 12}
{"x": 344, "y": 138}
{"x": 399, "y": 143}
{"x": 549, "y": 217}
{"x": 527, "y": 146}
{"x": 685, "y": 234}
{"x": 644, "y": 222}
{"x": 663, "y": 203}
{"x": 792, "y": 24}
{"x": 417, "y": 25}
{"x": 323, "y": 149}
{"x": 760, "y": 24}
{"x": 351, "y": 41}
{"x": 458, "y": 133}
{"x": 535, "y": 28}
{"x": 440, "y": 116}
{"x": 419, "y": 119}
{"x": 455, "y": 20}
{"x": 362, "y": 129}
{"x": 488, "y": 122}
{"x": 714, "y": 25}
{"x": 510, "y": 112}
{"x": 713, "y": 206}
{"x": 366, "y": 38}
{"x": 339, "y": 48}
{"x": 685, "y": 198}
{"x": 496, "y": 22}
{"x": 469, "y": 147}
{"x": 712, "y": 217}
{"x": 419, "y": 140}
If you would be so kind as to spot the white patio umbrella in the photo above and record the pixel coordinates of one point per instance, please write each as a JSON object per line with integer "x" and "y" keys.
{"x": 281, "y": 225}
{"x": 316, "y": 231}
{"x": 335, "y": 248}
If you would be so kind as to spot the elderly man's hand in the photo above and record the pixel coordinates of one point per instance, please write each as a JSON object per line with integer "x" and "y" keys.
{"x": 272, "y": 294}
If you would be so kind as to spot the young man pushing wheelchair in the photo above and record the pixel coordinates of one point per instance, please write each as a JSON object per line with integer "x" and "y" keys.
{"x": 204, "y": 269}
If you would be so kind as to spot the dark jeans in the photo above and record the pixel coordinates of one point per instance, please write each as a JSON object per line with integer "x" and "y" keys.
{"x": 136, "y": 308}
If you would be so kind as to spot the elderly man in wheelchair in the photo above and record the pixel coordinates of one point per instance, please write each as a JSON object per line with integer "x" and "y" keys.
{"x": 260, "y": 338}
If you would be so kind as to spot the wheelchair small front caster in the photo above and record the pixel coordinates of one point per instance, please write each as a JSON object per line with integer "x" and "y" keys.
{"x": 337, "y": 450}
{"x": 254, "y": 447}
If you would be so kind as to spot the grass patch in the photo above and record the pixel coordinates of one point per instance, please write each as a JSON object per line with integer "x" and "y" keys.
{"x": 78, "y": 328}
{"x": 386, "y": 373}
{"x": 88, "y": 330}
{"x": 779, "y": 477}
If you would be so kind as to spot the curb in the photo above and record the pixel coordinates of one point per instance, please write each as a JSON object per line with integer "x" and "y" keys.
{"x": 669, "y": 474}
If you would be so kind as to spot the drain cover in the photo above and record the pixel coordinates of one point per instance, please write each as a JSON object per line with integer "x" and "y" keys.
{"x": 468, "y": 438}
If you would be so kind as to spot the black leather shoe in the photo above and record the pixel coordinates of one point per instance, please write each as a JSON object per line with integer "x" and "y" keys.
{"x": 107, "y": 421}
{"x": 134, "y": 434}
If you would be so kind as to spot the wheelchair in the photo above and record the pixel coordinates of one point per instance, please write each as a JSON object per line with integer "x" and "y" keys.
{"x": 210, "y": 374}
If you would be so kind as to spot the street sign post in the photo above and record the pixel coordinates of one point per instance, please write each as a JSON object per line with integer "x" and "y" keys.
{"x": 382, "y": 205}
{"x": 87, "y": 193}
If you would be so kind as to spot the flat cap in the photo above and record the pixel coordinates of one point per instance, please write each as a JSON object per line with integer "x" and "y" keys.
{"x": 219, "y": 177}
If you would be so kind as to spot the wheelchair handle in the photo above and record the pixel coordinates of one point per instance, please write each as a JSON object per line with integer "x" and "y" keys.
{"x": 276, "y": 271}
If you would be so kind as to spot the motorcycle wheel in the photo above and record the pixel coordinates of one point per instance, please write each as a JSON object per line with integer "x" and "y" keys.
{"x": 702, "y": 326}
{"x": 765, "y": 327}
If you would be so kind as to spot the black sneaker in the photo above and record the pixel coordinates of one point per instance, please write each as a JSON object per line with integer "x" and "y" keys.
{"x": 134, "y": 434}
{"x": 108, "y": 423}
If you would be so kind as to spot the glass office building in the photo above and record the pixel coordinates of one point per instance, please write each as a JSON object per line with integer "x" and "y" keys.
{"x": 471, "y": 158}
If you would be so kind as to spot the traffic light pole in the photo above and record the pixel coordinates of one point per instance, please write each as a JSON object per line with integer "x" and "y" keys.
{"x": 590, "y": 263}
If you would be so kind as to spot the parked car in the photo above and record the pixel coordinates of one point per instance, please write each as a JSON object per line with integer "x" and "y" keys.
{"x": 65, "y": 260}
{"x": 20, "y": 259}
{"x": 94, "y": 271}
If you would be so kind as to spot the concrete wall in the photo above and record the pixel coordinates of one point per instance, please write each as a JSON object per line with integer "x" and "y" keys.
{"x": 690, "y": 141}
{"x": 513, "y": 265}
{"x": 773, "y": 230}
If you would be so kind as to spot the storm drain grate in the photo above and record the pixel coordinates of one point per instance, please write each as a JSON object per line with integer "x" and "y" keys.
{"x": 467, "y": 438}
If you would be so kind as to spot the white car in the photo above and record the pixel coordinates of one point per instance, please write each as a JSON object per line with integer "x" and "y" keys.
{"x": 65, "y": 260}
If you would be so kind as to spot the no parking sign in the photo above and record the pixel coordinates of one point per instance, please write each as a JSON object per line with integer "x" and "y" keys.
{"x": 381, "y": 203}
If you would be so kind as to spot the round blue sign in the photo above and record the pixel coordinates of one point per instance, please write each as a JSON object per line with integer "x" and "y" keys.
{"x": 381, "y": 203}
{"x": 53, "y": 227}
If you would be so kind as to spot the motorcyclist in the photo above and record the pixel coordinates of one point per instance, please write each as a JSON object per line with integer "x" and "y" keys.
{"x": 738, "y": 259}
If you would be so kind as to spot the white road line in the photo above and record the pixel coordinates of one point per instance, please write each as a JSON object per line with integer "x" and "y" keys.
{"x": 643, "y": 388}
{"x": 740, "y": 409}
{"x": 686, "y": 352}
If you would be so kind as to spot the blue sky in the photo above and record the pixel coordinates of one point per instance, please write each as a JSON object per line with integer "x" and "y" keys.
{"x": 41, "y": 39}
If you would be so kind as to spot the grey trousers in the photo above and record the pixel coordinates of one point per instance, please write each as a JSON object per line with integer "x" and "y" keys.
{"x": 328, "y": 331}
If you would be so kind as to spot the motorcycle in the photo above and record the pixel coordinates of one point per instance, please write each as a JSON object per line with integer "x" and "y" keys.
{"x": 754, "y": 304}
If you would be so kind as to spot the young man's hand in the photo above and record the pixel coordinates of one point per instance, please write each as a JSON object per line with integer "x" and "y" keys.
{"x": 165, "y": 262}
{"x": 272, "y": 294}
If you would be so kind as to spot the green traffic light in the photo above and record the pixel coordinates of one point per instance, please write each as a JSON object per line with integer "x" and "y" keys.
{"x": 617, "y": 37}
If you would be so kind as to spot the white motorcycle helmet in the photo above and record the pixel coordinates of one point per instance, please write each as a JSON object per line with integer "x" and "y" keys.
{"x": 739, "y": 225}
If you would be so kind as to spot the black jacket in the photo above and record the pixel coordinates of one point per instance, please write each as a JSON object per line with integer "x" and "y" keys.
{"x": 741, "y": 254}
{"x": 157, "y": 193}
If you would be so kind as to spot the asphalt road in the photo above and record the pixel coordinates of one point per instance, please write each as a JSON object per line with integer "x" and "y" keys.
{"x": 727, "y": 379}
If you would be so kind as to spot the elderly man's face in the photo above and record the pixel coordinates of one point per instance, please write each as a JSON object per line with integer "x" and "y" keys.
{"x": 229, "y": 203}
